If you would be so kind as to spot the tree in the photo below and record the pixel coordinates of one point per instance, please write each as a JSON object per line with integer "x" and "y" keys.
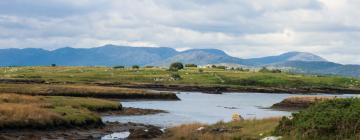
{"x": 264, "y": 69}
{"x": 119, "y": 67}
{"x": 135, "y": 67}
{"x": 149, "y": 66}
{"x": 221, "y": 67}
{"x": 53, "y": 65}
{"x": 190, "y": 65}
{"x": 176, "y": 66}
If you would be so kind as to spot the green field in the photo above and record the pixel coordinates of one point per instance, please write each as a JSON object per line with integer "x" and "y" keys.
{"x": 189, "y": 76}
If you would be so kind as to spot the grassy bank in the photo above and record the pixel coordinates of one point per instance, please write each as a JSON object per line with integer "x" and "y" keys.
{"x": 40, "y": 112}
{"x": 241, "y": 80}
{"x": 247, "y": 129}
{"x": 84, "y": 91}
{"x": 300, "y": 102}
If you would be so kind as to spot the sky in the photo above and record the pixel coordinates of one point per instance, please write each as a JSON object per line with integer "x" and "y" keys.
{"x": 242, "y": 28}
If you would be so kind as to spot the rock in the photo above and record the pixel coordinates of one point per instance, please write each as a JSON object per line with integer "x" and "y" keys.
{"x": 272, "y": 138}
{"x": 237, "y": 117}
{"x": 218, "y": 130}
{"x": 200, "y": 129}
{"x": 145, "y": 133}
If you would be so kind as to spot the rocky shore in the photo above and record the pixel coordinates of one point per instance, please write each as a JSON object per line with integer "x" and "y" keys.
{"x": 137, "y": 131}
{"x": 299, "y": 102}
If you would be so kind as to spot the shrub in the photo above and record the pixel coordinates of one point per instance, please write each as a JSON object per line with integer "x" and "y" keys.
{"x": 201, "y": 70}
{"x": 221, "y": 67}
{"x": 332, "y": 119}
{"x": 135, "y": 67}
{"x": 119, "y": 67}
{"x": 149, "y": 66}
{"x": 175, "y": 76}
{"x": 190, "y": 65}
{"x": 266, "y": 70}
{"x": 176, "y": 66}
{"x": 218, "y": 67}
{"x": 53, "y": 65}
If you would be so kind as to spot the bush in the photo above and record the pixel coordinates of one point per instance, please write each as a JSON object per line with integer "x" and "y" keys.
{"x": 53, "y": 65}
{"x": 221, "y": 67}
{"x": 135, "y": 67}
{"x": 266, "y": 70}
{"x": 333, "y": 119}
{"x": 218, "y": 67}
{"x": 201, "y": 70}
{"x": 149, "y": 66}
{"x": 190, "y": 65}
{"x": 176, "y": 66}
{"x": 119, "y": 67}
{"x": 175, "y": 76}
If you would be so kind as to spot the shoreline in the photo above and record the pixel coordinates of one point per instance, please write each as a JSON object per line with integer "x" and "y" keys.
{"x": 211, "y": 89}
{"x": 75, "y": 133}
{"x": 98, "y": 131}
{"x": 216, "y": 89}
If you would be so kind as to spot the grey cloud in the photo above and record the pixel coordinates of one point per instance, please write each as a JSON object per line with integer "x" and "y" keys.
{"x": 246, "y": 28}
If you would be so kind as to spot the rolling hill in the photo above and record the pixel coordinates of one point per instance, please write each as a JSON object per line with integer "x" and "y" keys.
{"x": 111, "y": 55}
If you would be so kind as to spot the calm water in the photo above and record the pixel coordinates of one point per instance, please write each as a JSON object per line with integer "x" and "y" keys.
{"x": 206, "y": 108}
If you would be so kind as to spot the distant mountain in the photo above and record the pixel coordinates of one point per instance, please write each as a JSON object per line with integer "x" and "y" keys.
{"x": 201, "y": 57}
{"x": 290, "y": 56}
{"x": 319, "y": 67}
{"x": 111, "y": 55}
{"x": 108, "y": 55}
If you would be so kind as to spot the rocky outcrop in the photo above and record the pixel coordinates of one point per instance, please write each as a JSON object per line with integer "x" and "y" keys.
{"x": 300, "y": 102}
{"x": 145, "y": 133}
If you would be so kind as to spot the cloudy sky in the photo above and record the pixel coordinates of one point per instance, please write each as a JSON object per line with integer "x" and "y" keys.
{"x": 242, "y": 28}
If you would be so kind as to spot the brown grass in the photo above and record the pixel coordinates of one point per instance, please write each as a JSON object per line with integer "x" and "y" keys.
{"x": 246, "y": 129}
{"x": 84, "y": 91}
{"x": 24, "y": 111}
{"x": 300, "y": 102}
{"x": 308, "y": 99}
{"x": 26, "y": 115}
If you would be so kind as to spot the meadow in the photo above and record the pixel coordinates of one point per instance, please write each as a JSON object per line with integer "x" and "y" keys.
{"x": 204, "y": 77}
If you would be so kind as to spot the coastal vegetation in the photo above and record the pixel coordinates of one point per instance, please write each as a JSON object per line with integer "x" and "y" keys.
{"x": 332, "y": 119}
{"x": 300, "y": 102}
{"x": 85, "y": 91}
{"x": 235, "y": 130}
{"x": 43, "y": 112}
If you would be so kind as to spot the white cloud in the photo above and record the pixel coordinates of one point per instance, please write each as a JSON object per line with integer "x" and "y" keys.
{"x": 248, "y": 28}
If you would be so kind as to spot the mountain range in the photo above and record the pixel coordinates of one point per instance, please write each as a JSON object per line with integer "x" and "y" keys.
{"x": 111, "y": 55}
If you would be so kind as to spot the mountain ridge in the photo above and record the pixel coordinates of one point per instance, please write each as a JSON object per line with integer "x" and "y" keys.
{"x": 111, "y": 55}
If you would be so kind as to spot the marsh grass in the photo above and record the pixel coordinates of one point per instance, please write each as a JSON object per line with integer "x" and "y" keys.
{"x": 42, "y": 112}
{"x": 84, "y": 91}
{"x": 246, "y": 129}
